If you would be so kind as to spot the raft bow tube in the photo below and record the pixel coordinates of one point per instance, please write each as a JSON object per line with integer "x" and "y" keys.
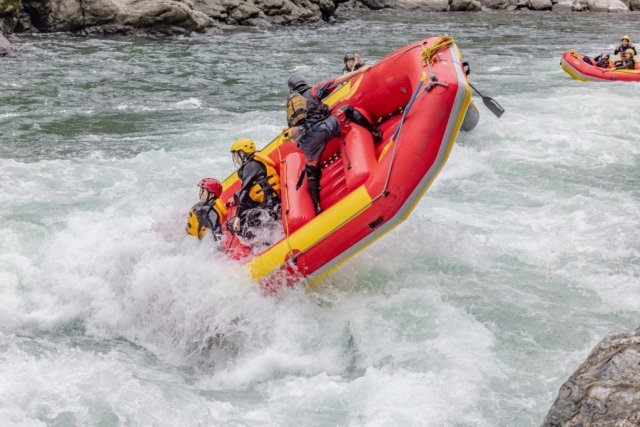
{"x": 419, "y": 97}
{"x": 573, "y": 64}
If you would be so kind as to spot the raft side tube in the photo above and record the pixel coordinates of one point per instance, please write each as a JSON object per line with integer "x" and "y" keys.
{"x": 358, "y": 156}
{"x": 297, "y": 207}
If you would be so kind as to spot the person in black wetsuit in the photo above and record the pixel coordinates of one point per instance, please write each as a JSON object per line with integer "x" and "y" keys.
{"x": 315, "y": 125}
{"x": 602, "y": 60}
{"x": 352, "y": 62}
{"x": 258, "y": 198}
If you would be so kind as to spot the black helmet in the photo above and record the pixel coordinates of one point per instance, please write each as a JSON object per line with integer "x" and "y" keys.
{"x": 348, "y": 57}
{"x": 297, "y": 83}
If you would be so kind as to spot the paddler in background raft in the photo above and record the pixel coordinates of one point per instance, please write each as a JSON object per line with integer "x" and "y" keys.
{"x": 626, "y": 61}
{"x": 625, "y": 46}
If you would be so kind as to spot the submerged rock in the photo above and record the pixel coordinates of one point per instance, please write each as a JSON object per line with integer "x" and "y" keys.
{"x": 605, "y": 389}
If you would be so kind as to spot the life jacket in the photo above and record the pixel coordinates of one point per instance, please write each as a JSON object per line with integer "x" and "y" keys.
{"x": 196, "y": 228}
{"x": 271, "y": 183}
{"x": 305, "y": 109}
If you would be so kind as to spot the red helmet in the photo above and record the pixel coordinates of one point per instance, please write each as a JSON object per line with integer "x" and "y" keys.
{"x": 212, "y": 185}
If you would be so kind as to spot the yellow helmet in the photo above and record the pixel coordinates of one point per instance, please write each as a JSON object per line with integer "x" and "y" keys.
{"x": 627, "y": 38}
{"x": 245, "y": 145}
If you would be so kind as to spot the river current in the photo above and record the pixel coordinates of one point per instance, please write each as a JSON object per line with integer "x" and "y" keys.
{"x": 523, "y": 254}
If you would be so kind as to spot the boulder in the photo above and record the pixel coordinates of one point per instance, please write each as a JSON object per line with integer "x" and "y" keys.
{"x": 266, "y": 12}
{"x": 427, "y": 5}
{"x": 563, "y": 6}
{"x": 496, "y": 4}
{"x": 464, "y": 5}
{"x": 5, "y": 47}
{"x": 605, "y": 389}
{"x": 607, "y": 6}
{"x": 634, "y": 4}
{"x": 540, "y": 4}
{"x": 9, "y": 12}
{"x": 108, "y": 16}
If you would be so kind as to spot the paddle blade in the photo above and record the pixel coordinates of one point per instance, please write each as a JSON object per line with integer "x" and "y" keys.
{"x": 493, "y": 105}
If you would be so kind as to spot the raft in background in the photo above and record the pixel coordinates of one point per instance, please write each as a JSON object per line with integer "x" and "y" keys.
{"x": 573, "y": 64}
{"x": 419, "y": 97}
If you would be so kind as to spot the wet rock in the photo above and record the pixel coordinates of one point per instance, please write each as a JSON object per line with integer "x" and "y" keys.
{"x": 426, "y": 5}
{"x": 266, "y": 12}
{"x": 24, "y": 24}
{"x": 9, "y": 12}
{"x": 106, "y": 16}
{"x": 607, "y": 6}
{"x": 465, "y": 5}
{"x": 496, "y": 4}
{"x": 540, "y": 4}
{"x": 563, "y": 6}
{"x": 605, "y": 389}
{"x": 6, "y": 49}
{"x": 634, "y": 4}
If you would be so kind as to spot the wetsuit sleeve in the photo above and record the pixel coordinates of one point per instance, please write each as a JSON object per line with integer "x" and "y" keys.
{"x": 324, "y": 89}
{"x": 214, "y": 225}
{"x": 250, "y": 174}
{"x": 617, "y": 51}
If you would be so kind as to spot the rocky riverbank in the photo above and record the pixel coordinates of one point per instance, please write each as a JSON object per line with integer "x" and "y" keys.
{"x": 182, "y": 16}
{"x": 605, "y": 389}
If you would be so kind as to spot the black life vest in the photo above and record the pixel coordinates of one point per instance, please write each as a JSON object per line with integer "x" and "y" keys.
{"x": 305, "y": 109}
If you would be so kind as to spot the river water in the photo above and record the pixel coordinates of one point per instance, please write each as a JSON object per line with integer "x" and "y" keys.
{"x": 522, "y": 255}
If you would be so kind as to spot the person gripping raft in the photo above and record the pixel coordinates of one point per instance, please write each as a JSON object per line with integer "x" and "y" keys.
{"x": 209, "y": 213}
{"x": 315, "y": 124}
{"x": 259, "y": 189}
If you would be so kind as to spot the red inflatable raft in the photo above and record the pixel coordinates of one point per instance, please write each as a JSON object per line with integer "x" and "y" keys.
{"x": 573, "y": 63}
{"x": 418, "y": 96}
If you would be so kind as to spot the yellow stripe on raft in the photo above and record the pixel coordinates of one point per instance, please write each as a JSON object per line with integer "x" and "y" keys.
{"x": 569, "y": 70}
{"x": 626, "y": 71}
{"x": 344, "y": 92}
{"x": 306, "y": 237}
